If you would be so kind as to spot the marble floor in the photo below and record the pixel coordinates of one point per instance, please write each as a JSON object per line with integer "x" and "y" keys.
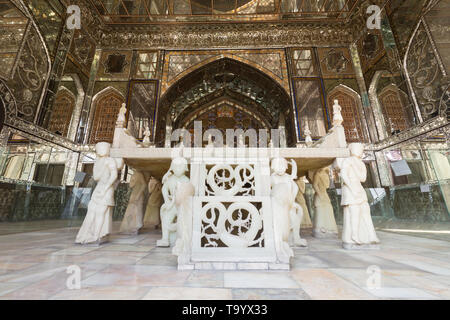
{"x": 34, "y": 265}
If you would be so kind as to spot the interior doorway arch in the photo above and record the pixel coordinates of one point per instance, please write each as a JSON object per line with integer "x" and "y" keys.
{"x": 230, "y": 82}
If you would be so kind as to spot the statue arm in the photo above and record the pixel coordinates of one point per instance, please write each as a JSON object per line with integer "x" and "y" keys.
{"x": 362, "y": 172}
{"x": 113, "y": 175}
{"x": 294, "y": 169}
{"x": 165, "y": 194}
{"x": 344, "y": 174}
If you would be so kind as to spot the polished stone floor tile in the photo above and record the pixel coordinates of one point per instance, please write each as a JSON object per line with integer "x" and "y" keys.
{"x": 34, "y": 265}
{"x": 245, "y": 279}
{"x": 438, "y": 286}
{"x": 6, "y": 287}
{"x": 207, "y": 279}
{"x": 323, "y": 284}
{"x": 183, "y": 293}
{"x": 432, "y": 268}
{"x": 103, "y": 293}
{"x": 158, "y": 260}
{"x": 138, "y": 275}
{"x": 10, "y": 266}
{"x": 365, "y": 277}
{"x": 307, "y": 262}
{"x": 400, "y": 293}
{"x": 269, "y": 294}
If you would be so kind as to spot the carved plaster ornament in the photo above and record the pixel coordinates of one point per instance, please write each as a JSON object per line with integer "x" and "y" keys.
{"x": 133, "y": 219}
{"x": 98, "y": 221}
{"x": 169, "y": 212}
{"x": 358, "y": 230}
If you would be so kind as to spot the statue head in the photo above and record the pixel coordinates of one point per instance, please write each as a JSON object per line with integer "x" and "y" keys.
{"x": 102, "y": 149}
{"x": 356, "y": 149}
{"x": 153, "y": 185}
{"x": 179, "y": 166}
{"x": 279, "y": 165}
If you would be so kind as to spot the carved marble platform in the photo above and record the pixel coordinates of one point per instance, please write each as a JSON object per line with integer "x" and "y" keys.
{"x": 157, "y": 160}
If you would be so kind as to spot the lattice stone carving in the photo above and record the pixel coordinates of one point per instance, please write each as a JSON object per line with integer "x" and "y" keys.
{"x": 235, "y": 225}
{"x": 232, "y": 221}
{"x": 228, "y": 180}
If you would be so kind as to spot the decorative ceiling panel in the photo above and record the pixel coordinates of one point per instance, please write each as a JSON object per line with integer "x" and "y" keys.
{"x": 157, "y": 11}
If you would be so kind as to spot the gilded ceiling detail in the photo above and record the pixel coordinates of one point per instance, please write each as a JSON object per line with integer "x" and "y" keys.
{"x": 238, "y": 36}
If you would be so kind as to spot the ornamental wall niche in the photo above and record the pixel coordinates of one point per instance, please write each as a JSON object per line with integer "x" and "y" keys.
{"x": 335, "y": 62}
{"x": 115, "y": 65}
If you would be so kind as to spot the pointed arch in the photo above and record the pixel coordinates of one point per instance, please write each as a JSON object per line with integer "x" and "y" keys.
{"x": 106, "y": 105}
{"x": 350, "y": 101}
{"x": 281, "y": 79}
{"x": 61, "y": 116}
{"x": 392, "y": 100}
{"x": 254, "y": 89}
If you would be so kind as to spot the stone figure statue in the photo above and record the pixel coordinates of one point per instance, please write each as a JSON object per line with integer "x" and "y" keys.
{"x": 337, "y": 116}
{"x": 308, "y": 139}
{"x": 358, "y": 228}
{"x": 183, "y": 202}
{"x": 146, "y": 140}
{"x": 287, "y": 214}
{"x": 300, "y": 199}
{"x": 133, "y": 219}
{"x": 121, "y": 118}
{"x": 155, "y": 199}
{"x": 98, "y": 221}
{"x": 324, "y": 221}
{"x": 168, "y": 212}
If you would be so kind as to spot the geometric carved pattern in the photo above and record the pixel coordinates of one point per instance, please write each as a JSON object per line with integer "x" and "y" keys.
{"x": 62, "y": 113}
{"x": 350, "y": 114}
{"x": 393, "y": 109}
{"x": 106, "y": 111}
